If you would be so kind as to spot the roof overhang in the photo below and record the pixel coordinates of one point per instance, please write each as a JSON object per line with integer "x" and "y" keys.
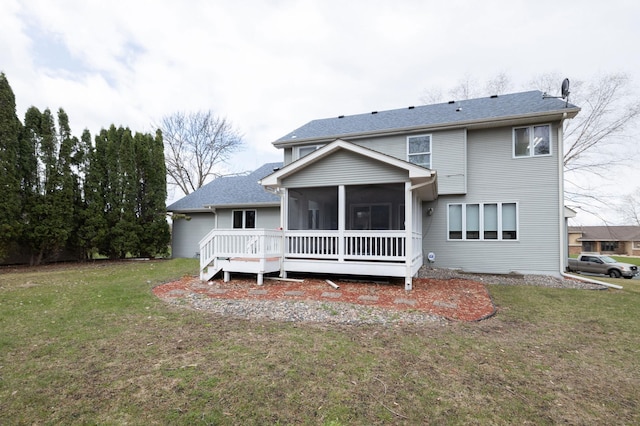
{"x": 208, "y": 208}
{"x": 515, "y": 120}
{"x": 423, "y": 181}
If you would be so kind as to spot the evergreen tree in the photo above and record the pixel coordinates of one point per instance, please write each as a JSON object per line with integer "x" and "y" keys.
{"x": 10, "y": 202}
{"x": 49, "y": 209}
{"x": 152, "y": 194}
{"x": 92, "y": 227}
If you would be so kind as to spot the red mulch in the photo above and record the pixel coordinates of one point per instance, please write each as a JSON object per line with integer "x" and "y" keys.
{"x": 454, "y": 299}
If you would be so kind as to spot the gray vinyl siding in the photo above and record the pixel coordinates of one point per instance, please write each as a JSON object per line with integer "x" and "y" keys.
{"x": 449, "y": 160}
{"x": 266, "y": 217}
{"x": 288, "y": 155}
{"x": 186, "y": 234}
{"x": 395, "y": 146}
{"x": 494, "y": 176}
{"x": 345, "y": 168}
{"x": 448, "y": 156}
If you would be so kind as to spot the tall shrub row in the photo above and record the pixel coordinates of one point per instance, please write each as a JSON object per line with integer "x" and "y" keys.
{"x": 68, "y": 197}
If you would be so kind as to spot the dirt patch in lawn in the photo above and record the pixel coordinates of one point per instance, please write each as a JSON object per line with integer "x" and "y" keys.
{"x": 454, "y": 299}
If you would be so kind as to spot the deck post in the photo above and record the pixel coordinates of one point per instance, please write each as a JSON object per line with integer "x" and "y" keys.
{"x": 408, "y": 226}
{"x": 260, "y": 278}
{"x": 227, "y": 276}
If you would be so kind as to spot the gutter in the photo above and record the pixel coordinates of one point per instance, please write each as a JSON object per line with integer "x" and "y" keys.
{"x": 589, "y": 280}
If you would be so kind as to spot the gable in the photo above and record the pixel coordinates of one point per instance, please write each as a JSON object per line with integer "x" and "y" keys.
{"x": 345, "y": 168}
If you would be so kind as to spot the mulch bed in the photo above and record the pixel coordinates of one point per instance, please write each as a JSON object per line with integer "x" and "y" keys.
{"x": 454, "y": 299}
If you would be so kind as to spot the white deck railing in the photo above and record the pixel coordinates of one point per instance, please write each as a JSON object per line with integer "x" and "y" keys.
{"x": 347, "y": 245}
{"x": 240, "y": 243}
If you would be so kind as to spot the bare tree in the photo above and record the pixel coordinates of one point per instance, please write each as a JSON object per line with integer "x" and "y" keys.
{"x": 195, "y": 145}
{"x": 467, "y": 88}
{"x": 498, "y": 85}
{"x": 595, "y": 142}
{"x": 609, "y": 108}
{"x": 629, "y": 208}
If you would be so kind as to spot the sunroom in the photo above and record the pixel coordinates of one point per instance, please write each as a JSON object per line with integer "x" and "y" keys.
{"x": 345, "y": 209}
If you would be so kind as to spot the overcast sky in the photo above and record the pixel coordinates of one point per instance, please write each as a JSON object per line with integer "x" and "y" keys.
{"x": 272, "y": 66}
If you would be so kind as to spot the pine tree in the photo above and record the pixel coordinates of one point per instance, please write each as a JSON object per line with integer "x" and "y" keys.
{"x": 10, "y": 202}
{"x": 152, "y": 194}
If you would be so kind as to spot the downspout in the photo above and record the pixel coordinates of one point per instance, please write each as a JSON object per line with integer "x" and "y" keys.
{"x": 591, "y": 281}
{"x": 562, "y": 222}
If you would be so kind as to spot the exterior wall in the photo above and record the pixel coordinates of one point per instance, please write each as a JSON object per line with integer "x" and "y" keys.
{"x": 494, "y": 176}
{"x": 266, "y": 217}
{"x": 575, "y": 246}
{"x": 187, "y": 234}
{"x": 345, "y": 168}
{"x": 448, "y": 156}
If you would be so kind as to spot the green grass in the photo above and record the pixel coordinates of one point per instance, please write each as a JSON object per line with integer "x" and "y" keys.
{"x": 90, "y": 344}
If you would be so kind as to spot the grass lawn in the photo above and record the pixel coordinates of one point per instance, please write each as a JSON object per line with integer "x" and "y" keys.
{"x": 90, "y": 344}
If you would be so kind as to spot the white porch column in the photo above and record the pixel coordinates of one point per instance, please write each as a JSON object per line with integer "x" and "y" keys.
{"x": 342, "y": 220}
{"x": 284, "y": 223}
{"x": 408, "y": 227}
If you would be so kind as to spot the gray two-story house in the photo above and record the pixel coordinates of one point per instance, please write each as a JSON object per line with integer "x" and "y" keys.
{"x": 474, "y": 184}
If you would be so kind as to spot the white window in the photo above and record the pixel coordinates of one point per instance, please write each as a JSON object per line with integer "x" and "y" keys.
{"x": 244, "y": 219}
{"x": 483, "y": 221}
{"x": 419, "y": 150}
{"x": 532, "y": 141}
{"x": 302, "y": 151}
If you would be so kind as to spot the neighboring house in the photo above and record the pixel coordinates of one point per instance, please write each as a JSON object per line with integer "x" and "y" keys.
{"x": 476, "y": 184}
{"x": 623, "y": 240}
{"x": 233, "y": 202}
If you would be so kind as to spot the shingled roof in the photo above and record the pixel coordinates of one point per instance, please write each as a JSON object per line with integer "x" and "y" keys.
{"x": 467, "y": 112}
{"x": 231, "y": 191}
{"x": 607, "y": 233}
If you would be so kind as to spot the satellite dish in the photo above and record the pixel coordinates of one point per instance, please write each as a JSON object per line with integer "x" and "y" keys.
{"x": 565, "y": 88}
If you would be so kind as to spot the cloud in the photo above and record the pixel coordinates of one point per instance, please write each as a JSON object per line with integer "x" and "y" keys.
{"x": 271, "y": 66}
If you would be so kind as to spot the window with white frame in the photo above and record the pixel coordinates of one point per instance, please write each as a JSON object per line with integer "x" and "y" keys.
{"x": 419, "y": 150}
{"x": 532, "y": 141}
{"x": 302, "y": 151}
{"x": 244, "y": 219}
{"x": 483, "y": 221}
{"x": 636, "y": 244}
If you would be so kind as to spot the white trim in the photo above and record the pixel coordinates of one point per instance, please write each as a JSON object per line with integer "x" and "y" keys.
{"x": 244, "y": 218}
{"x": 414, "y": 171}
{"x": 430, "y": 152}
{"x": 481, "y": 237}
{"x": 296, "y": 150}
{"x": 531, "y": 139}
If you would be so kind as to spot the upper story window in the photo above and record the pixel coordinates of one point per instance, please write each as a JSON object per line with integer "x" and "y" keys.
{"x": 302, "y": 151}
{"x": 532, "y": 141}
{"x": 419, "y": 150}
{"x": 244, "y": 219}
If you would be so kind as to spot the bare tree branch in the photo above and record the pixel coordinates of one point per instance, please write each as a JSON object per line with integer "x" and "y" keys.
{"x": 195, "y": 145}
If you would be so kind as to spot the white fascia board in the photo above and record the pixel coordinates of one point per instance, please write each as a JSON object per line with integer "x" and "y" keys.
{"x": 274, "y": 179}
